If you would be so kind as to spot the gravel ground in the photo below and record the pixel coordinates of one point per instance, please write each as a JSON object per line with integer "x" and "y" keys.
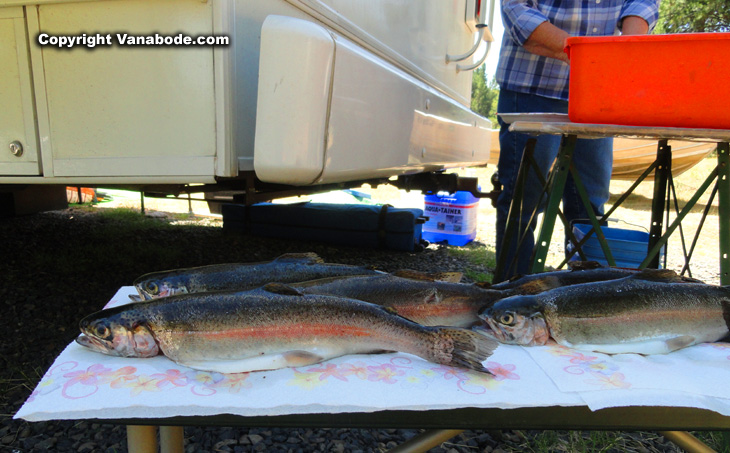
{"x": 57, "y": 267}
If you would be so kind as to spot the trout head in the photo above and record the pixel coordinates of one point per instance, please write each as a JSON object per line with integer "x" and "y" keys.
{"x": 153, "y": 286}
{"x": 515, "y": 320}
{"x": 117, "y": 335}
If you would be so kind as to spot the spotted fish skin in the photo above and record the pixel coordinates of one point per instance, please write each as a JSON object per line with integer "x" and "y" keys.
{"x": 637, "y": 314}
{"x": 427, "y": 302}
{"x": 583, "y": 272}
{"x": 288, "y": 268}
{"x": 273, "y": 327}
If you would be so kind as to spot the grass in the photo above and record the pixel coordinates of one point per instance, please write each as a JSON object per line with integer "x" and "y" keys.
{"x": 17, "y": 380}
{"x": 581, "y": 441}
{"x": 573, "y": 441}
{"x": 482, "y": 260}
{"x": 717, "y": 440}
{"x": 107, "y": 243}
{"x": 127, "y": 218}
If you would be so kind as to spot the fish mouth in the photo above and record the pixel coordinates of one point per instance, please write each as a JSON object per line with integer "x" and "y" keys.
{"x": 532, "y": 333}
{"x": 94, "y": 344}
{"x": 142, "y": 295}
{"x": 489, "y": 329}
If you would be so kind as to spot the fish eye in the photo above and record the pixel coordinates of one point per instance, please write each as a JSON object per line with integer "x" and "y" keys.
{"x": 152, "y": 287}
{"x": 101, "y": 331}
{"x": 507, "y": 318}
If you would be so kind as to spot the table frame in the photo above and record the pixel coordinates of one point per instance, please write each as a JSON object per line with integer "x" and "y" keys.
{"x": 659, "y": 235}
{"x": 446, "y": 423}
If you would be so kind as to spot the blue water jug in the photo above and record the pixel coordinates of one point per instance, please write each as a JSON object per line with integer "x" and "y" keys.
{"x": 451, "y": 218}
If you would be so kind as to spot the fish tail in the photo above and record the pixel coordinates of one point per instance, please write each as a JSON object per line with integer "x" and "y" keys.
{"x": 461, "y": 348}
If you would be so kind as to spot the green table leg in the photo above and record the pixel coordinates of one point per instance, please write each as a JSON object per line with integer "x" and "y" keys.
{"x": 512, "y": 230}
{"x": 723, "y": 190}
{"x": 661, "y": 175}
{"x": 660, "y": 242}
{"x": 592, "y": 217}
{"x": 560, "y": 175}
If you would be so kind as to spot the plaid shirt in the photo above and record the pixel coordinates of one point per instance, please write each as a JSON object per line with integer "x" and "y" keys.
{"x": 524, "y": 72}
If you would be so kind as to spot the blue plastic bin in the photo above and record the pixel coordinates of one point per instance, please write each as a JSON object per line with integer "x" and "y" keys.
{"x": 629, "y": 247}
{"x": 451, "y": 218}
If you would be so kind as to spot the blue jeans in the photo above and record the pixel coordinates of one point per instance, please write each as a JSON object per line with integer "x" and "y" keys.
{"x": 593, "y": 158}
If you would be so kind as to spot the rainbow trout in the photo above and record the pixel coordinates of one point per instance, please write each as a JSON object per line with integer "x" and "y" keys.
{"x": 287, "y": 268}
{"x": 637, "y": 314}
{"x": 579, "y": 272}
{"x": 272, "y": 327}
{"x": 425, "y": 301}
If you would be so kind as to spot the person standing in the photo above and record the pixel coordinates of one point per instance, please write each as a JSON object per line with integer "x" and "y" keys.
{"x": 532, "y": 73}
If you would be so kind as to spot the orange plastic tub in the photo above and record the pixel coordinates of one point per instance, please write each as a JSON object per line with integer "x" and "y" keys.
{"x": 678, "y": 80}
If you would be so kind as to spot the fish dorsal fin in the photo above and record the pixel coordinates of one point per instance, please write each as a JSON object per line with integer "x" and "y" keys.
{"x": 657, "y": 275}
{"x": 483, "y": 285}
{"x": 324, "y": 281}
{"x": 281, "y": 288}
{"x": 583, "y": 265}
{"x": 390, "y": 310}
{"x": 305, "y": 258}
{"x": 451, "y": 277}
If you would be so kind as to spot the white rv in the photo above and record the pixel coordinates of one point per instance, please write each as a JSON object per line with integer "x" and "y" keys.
{"x": 269, "y": 95}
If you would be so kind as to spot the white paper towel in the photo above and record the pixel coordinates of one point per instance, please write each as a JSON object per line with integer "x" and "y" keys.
{"x": 85, "y": 384}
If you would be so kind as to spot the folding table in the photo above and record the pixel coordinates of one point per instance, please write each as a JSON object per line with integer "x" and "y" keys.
{"x": 546, "y": 387}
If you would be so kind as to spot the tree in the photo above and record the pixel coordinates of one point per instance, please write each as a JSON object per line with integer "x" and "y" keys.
{"x": 685, "y": 16}
{"x": 484, "y": 96}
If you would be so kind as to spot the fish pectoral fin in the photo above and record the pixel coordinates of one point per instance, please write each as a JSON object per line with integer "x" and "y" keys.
{"x": 308, "y": 257}
{"x": 301, "y": 358}
{"x": 679, "y": 342}
{"x": 281, "y": 288}
{"x": 135, "y": 298}
{"x": 432, "y": 297}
